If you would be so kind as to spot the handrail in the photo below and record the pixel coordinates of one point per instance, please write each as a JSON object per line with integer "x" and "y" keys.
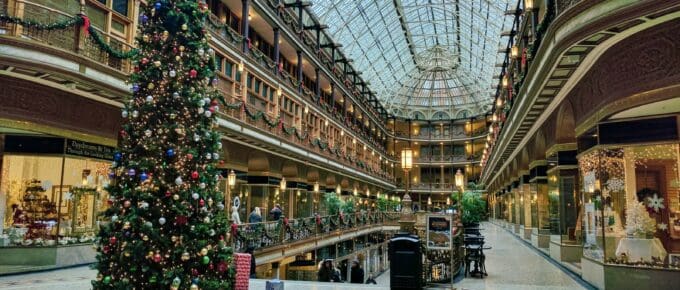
{"x": 284, "y": 231}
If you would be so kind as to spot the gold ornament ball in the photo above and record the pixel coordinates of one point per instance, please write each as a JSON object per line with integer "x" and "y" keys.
{"x": 150, "y": 86}
{"x": 185, "y": 27}
{"x": 181, "y": 48}
{"x": 177, "y": 58}
{"x": 193, "y": 287}
{"x": 145, "y": 38}
{"x": 186, "y": 256}
{"x": 157, "y": 63}
{"x": 204, "y": 252}
{"x": 175, "y": 197}
{"x": 145, "y": 238}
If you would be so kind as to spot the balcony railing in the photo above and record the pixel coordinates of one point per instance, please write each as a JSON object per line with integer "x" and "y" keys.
{"x": 232, "y": 38}
{"x": 445, "y": 158}
{"x": 246, "y": 114}
{"x": 284, "y": 231}
{"x": 71, "y": 39}
{"x": 456, "y": 133}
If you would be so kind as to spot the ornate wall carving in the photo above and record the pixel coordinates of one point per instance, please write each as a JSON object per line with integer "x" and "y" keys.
{"x": 32, "y": 102}
{"x": 647, "y": 60}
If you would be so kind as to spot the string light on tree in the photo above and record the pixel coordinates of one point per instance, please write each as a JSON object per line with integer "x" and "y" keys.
{"x": 165, "y": 210}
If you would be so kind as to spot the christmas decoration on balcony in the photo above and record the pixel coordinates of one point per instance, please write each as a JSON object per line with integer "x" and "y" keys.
{"x": 165, "y": 236}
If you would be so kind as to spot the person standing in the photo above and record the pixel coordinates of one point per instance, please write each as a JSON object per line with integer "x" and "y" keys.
{"x": 255, "y": 216}
{"x": 276, "y": 212}
{"x": 250, "y": 250}
{"x": 235, "y": 218}
{"x": 356, "y": 274}
{"x": 325, "y": 271}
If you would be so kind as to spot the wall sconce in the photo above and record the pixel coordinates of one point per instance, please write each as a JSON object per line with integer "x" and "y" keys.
{"x": 316, "y": 187}
{"x": 514, "y": 51}
{"x": 231, "y": 178}
{"x": 283, "y": 183}
{"x": 528, "y": 4}
{"x": 505, "y": 81}
{"x": 338, "y": 189}
{"x": 306, "y": 110}
{"x": 240, "y": 66}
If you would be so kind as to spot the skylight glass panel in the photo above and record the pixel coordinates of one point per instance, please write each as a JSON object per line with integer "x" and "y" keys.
{"x": 399, "y": 44}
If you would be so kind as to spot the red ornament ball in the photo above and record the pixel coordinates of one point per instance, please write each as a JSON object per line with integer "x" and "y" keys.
{"x": 194, "y": 175}
{"x": 190, "y": 156}
{"x": 201, "y": 202}
{"x": 157, "y": 258}
{"x": 112, "y": 240}
{"x": 193, "y": 73}
{"x": 127, "y": 203}
{"x": 168, "y": 193}
{"x": 145, "y": 60}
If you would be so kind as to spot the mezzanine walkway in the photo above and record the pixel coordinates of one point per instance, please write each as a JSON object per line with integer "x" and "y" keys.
{"x": 511, "y": 265}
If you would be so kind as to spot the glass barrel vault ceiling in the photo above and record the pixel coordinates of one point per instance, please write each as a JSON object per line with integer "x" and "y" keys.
{"x": 425, "y": 59}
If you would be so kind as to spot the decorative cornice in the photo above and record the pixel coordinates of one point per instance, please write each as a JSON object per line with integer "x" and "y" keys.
{"x": 560, "y": 147}
{"x": 537, "y": 163}
{"x": 626, "y": 103}
{"x": 54, "y": 131}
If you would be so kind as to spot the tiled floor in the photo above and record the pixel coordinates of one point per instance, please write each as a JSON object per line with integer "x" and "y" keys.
{"x": 511, "y": 265}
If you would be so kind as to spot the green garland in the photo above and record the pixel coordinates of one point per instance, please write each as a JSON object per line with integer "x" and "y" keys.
{"x": 70, "y": 22}
{"x": 41, "y": 26}
{"x": 99, "y": 40}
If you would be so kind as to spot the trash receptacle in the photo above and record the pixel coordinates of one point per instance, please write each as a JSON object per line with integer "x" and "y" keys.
{"x": 406, "y": 262}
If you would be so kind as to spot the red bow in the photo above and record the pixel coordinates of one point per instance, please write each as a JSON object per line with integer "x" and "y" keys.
{"x": 86, "y": 24}
{"x": 234, "y": 230}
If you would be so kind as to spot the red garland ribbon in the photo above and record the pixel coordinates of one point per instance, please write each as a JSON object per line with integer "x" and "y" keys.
{"x": 250, "y": 45}
{"x": 285, "y": 221}
{"x": 86, "y": 24}
{"x": 318, "y": 219}
{"x": 280, "y": 124}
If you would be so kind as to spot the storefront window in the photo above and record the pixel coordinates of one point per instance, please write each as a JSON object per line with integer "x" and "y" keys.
{"x": 554, "y": 203}
{"x": 52, "y": 200}
{"x": 635, "y": 189}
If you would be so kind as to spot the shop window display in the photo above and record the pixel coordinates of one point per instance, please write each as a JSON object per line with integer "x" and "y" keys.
{"x": 50, "y": 200}
{"x": 631, "y": 195}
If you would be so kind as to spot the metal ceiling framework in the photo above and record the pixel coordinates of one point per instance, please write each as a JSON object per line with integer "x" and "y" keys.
{"x": 392, "y": 41}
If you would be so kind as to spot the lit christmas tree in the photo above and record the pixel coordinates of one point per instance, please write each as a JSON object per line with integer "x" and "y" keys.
{"x": 167, "y": 220}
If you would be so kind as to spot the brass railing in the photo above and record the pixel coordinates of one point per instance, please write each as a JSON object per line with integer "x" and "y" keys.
{"x": 284, "y": 231}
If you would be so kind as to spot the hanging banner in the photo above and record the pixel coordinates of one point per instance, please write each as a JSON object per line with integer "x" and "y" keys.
{"x": 439, "y": 229}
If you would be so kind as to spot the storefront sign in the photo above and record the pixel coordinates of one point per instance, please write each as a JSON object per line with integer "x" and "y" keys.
{"x": 439, "y": 232}
{"x": 86, "y": 149}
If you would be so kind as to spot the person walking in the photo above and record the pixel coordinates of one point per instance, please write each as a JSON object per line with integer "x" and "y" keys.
{"x": 371, "y": 280}
{"x": 356, "y": 274}
{"x": 255, "y": 216}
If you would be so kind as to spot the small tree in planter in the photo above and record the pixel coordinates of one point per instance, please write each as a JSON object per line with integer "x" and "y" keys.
{"x": 474, "y": 208}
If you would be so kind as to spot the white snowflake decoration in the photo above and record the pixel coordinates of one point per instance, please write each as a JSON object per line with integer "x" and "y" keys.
{"x": 616, "y": 185}
{"x": 655, "y": 202}
{"x": 662, "y": 227}
{"x": 68, "y": 196}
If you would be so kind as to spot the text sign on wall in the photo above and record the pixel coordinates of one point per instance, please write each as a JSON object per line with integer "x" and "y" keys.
{"x": 86, "y": 149}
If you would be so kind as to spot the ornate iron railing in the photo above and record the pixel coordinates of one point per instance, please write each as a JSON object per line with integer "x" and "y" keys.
{"x": 284, "y": 231}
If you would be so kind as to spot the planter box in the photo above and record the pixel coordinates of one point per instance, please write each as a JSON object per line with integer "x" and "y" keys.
{"x": 623, "y": 277}
{"x": 61, "y": 256}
